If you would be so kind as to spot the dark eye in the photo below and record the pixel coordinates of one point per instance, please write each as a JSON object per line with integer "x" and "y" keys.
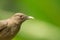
{"x": 21, "y": 15}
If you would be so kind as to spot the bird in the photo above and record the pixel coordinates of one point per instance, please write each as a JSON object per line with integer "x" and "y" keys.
{"x": 10, "y": 27}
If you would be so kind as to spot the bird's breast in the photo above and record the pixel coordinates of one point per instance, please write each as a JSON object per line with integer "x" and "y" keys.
{"x": 10, "y": 31}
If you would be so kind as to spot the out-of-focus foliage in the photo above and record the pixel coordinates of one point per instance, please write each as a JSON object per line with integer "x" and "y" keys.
{"x": 45, "y": 26}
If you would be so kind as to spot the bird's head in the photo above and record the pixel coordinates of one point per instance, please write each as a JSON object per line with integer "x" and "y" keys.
{"x": 21, "y": 17}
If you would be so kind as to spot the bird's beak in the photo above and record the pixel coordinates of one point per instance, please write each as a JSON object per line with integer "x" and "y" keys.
{"x": 30, "y": 17}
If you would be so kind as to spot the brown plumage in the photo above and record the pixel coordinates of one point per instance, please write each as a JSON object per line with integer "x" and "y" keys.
{"x": 10, "y": 26}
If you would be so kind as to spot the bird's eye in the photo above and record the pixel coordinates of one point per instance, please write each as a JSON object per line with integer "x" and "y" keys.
{"x": 21, "y": 16}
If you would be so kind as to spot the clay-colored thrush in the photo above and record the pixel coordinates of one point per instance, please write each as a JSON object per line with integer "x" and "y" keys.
{"x": 10, "y": 26}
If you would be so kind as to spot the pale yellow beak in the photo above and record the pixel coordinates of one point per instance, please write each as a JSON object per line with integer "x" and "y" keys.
{"x": 30, "y": 17}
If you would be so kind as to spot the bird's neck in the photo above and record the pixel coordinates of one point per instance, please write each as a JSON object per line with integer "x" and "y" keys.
{"x": 14, "y": 21}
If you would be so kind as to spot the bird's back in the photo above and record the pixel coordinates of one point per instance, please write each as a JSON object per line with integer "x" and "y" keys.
{"x": 8, "y": 30}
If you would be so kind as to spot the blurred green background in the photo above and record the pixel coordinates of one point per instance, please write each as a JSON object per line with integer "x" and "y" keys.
{"x": 45, "y": 26}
